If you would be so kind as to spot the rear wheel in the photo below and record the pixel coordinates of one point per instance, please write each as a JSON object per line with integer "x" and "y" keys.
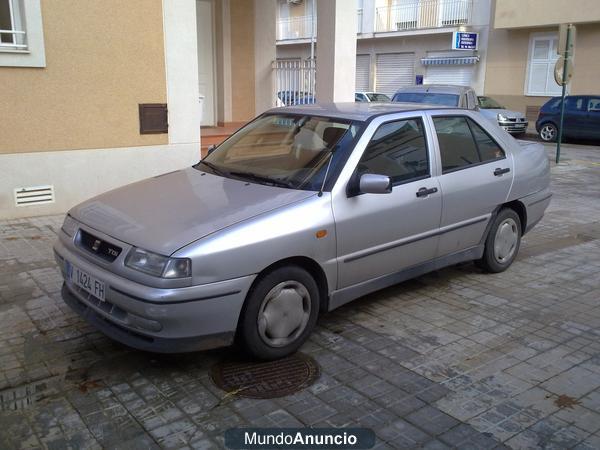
{"x": 280, "y": 313}
{"x": 548, "y": 132}
{"x": 502, "y": 243}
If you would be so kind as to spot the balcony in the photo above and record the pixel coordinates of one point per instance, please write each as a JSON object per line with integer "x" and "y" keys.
{"x": 423, "y": 14}
{"x": 300, "y": 27}
{"x": 296, "y": 28}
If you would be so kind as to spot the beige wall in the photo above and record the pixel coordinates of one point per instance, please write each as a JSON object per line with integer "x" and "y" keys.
{"x": 536, "y": 13}
{"x": 242, "y": 60}
{"x": 506, "y": 70}
{"x": 103, "y": 58}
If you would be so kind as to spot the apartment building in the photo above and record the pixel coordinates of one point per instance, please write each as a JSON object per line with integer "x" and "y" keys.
{"x": 399, "y": 42}
{"x": 522, "y": 51}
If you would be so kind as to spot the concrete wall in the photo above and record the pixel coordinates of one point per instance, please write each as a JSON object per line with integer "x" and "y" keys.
{"x": 538, "y": 13}
{"x": 506, "y": 73}
{"x": 75, "y": 122}
{"x": 102, "y": 59}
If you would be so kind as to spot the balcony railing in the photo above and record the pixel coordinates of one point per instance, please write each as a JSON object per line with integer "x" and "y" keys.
{"x": 418, "y": 14}
{"x": 296, "y": 28}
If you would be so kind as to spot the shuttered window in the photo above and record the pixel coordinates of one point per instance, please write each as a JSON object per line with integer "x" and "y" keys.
{"x": 461, "y": 75}
{"x": 542, "y": 58}
{"x": 393, "y": 71}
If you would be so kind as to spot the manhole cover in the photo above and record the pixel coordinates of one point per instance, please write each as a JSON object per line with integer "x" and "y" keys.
{"x": 266, "y": 379}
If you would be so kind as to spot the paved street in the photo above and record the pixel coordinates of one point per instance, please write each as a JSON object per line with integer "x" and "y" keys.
{"x": 456, "y": 358}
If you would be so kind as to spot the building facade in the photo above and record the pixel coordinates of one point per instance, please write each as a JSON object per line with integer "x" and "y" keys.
{"x": 95, "y": 95}
{"x": 522, "y": 51}
{"x": 399, "y": 42}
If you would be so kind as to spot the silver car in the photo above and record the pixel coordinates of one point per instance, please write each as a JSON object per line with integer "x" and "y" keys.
{"x": 301, "y": 211}
{"x": 514, "y": 122}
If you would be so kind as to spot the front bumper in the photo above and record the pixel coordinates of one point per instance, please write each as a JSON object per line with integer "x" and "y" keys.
{"x": 154, "y": 319}
{"x": 514, "y": 127}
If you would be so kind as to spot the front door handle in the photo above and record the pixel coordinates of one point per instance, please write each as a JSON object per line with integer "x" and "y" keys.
{"x": 500, "y": 171}
{"x": 424, "y": 192}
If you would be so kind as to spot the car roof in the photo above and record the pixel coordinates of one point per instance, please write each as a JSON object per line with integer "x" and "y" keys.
{"x": 355, "y": 110}
{"x": 436, "y": 88}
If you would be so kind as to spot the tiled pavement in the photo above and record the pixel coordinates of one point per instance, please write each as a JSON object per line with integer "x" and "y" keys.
{"x": 456, "y": 358}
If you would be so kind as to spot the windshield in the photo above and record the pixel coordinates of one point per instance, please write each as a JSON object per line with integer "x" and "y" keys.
{"x": 290, "y": 151}
{"x": 378, "y": 97}
{"x": 427, "y": 97}
{"x": 489, "y": 103}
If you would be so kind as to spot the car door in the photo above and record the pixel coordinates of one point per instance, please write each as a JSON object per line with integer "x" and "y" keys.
{"x": 593, "y": 117}
{"x": 476, "y": 176}
{"x": 575, "y": 120}
{"x": 380, "y": 234}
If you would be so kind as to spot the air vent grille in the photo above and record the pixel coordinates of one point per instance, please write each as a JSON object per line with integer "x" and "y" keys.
{"x": 34, "y": 195}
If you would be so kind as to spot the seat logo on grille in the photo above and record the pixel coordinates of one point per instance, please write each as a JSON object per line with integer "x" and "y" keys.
{"x": 96, "y": 245}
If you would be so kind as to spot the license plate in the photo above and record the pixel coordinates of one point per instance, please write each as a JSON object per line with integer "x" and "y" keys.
{"x": 85, "y": 281}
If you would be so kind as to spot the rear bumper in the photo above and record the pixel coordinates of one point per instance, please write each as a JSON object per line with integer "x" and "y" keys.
{"x": 535, "y": 206}
{"x": 152, "y": 319}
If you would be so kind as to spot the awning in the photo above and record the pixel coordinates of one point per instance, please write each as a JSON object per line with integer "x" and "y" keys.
{"x": 450, "y": 60}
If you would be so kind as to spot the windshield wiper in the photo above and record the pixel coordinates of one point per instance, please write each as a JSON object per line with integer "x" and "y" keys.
{"x": 261, "y": 179}
{"x": 214, "y": 168}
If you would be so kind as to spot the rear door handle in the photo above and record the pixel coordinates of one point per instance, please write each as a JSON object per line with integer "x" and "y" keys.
{"x": 500, "y": 171}
{"x": 424, "y": 192}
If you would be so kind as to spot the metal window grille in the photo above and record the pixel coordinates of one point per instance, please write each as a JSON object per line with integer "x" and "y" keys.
{"x": 295, "y": 80}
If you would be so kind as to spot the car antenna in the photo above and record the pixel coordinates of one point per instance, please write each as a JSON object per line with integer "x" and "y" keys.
{"x": 329, "y": 159}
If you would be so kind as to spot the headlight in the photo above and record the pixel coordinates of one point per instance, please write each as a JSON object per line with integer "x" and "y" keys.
{"x": 69, "y": 226}
{"x": 158, "y": 265}
{"x": 502, "y": 118}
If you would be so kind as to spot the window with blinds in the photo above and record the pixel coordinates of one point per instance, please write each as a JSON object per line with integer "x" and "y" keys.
{"x": 542, "y": 58}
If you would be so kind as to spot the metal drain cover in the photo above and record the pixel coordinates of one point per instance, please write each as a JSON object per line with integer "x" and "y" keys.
{"x": 266, "y": 379}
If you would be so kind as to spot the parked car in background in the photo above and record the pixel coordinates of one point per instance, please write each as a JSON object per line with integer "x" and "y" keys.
{"x": 438, "y": 94}
{"x": 289, "y": 98}
{"x": 512, "y": 121}
{"x": 295, "y": 214}
{"x": 581, "y": 120}
{"x": 305, "y": 100}
{"x": 371, "y": 97}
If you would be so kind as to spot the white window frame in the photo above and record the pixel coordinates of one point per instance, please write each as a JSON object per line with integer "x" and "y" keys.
{"x": 533, "y": 37}
{"x": 27, "y": 24}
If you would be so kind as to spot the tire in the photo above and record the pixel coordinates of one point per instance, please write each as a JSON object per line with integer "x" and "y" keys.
{"x": 502, "y": 242}
{"x": 289, "y": 296}
{"x": 548, "y": 132}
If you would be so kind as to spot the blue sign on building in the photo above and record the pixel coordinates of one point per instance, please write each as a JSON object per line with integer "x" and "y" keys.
{"x": 464, "y": 41}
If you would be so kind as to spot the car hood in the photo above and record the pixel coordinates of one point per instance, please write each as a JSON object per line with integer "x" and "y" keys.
{"x": 167, "y": 212}
{"x": 493, "y": 113}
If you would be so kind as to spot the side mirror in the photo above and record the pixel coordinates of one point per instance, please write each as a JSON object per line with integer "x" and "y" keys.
{"x": 371, "y": 183}
{"x": 211, "y": 148}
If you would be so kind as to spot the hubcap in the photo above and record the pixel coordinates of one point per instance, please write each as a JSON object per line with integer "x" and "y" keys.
{"x": 505, "y": 242}
{"x": 547, "y": 133}
{"x": 284, "y": 313}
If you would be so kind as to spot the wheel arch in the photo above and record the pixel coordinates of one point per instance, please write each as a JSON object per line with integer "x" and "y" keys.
{"x": 306, "y": 263}
{"x": 518, "y": 207}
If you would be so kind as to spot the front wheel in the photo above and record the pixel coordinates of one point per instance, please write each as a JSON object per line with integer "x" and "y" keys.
{"x": 279, "y": 314}
{"x": 502, "y": 243}
{"x": 548, "y": 132}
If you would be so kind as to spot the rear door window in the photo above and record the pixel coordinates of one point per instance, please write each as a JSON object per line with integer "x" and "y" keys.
{"x": 594, "y": 104}
{"x": 464, "y": 143}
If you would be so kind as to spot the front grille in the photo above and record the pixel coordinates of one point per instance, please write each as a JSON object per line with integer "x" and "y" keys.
{"x": 98, "y": 247}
